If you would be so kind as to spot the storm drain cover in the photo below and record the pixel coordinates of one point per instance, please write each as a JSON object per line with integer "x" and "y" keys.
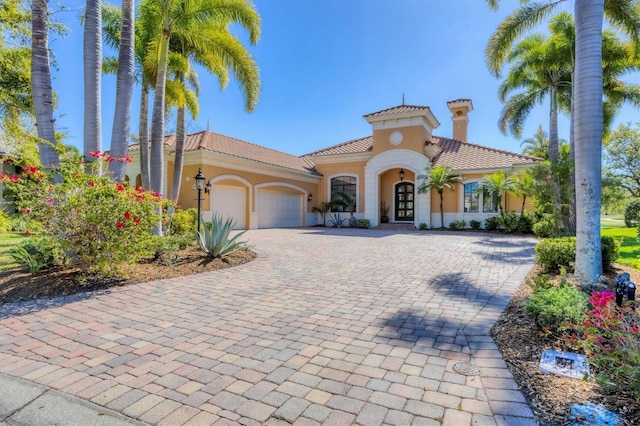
{"x": 466, "y": 368}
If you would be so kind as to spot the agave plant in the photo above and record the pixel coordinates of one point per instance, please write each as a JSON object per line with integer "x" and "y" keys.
{"x": 214, "y": 239}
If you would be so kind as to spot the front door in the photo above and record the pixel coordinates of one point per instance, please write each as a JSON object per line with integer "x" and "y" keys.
{"x": 404, "y": 202}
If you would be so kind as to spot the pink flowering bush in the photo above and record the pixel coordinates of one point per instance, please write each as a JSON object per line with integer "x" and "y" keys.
{"x": 99, "y": 223}
{"x": 610, "y": 336}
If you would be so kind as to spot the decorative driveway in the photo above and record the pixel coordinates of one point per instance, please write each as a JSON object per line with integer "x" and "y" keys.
{"x": 332, "y": 326}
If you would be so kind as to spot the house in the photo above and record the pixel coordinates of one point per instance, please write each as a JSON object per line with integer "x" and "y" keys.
{"x": 263, "y": 188}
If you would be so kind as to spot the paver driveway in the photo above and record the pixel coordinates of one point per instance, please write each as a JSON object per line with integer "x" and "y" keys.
{"x": 326, "y": 326}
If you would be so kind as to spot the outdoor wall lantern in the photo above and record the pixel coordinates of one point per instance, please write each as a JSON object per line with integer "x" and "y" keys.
{"x": 199, "y": 185}
{"x": 309, "y": 198}
{"x": 401, "y": 173}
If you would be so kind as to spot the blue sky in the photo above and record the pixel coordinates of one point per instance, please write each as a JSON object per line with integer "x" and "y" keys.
{"x": 326, "y": 63}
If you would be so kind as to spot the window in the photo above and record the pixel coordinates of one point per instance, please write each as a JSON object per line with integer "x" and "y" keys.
{"x": 346, "y": 184}
{"x": 471, "y": 197}
{"x": 474, "y": 198}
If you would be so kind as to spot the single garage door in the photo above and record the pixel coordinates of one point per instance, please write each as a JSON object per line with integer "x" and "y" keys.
{"x": 230, "y": 201}
{"x": 279, "y": 209}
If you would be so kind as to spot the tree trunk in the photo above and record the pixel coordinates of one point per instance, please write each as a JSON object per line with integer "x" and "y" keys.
{"x": 179, "y": 157}
{"x": 143, "y": 133}
{"x": 588, "y": 137}
{"x": 553, "y": 126}
{"x": 124, "y": 93}
{"x": 41, "y": 90}
{"x": 92, "y": 62}
{"x": 441, "y": 211}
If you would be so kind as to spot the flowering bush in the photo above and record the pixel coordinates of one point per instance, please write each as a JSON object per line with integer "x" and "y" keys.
{"x": 611, "y": 337}
{"x": 98, "y": 223}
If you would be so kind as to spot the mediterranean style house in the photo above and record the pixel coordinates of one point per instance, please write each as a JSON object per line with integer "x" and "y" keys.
{"x": 263, "y": 188}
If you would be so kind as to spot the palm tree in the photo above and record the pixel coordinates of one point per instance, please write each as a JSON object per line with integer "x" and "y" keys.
{"x": 124, "y": 91}
{"x": 439, "y": 178}
{"x": 323, "y": 209}
{"x": 346, "y": 201}
{"x": 523, "y": 187}
{"x": 496, "y": 185}
{"x": 92, "y": 62}
{"x": 588, "y": 137}
{"x": 538, "y": 145}
{"x": 184, "y": 18}
{"x": 41, "y": 91}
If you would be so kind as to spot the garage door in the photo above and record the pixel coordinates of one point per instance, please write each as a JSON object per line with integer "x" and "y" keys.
{"x": 279, "y": 209}
{"x": 230, "y": 201}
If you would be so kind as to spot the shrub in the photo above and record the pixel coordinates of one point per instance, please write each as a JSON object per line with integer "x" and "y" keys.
{"x": 98, "y": 223}
{"x": 5, "y": 223}
{"x": 475, "y": 224}
{"x": 632, "y": 213}
{"x": 554, "y": 253}
{"x": 492, "y": 223}
{"x": 165, "y": 249}
{"x": 545, "y": 226}
{"x": 422, "y": 226}
{"x": 555, "y": 307}
{"x": 183, "y": 222}
{"x": 214, "y": 239}
{"x": 610, "y": 336}
{"x": 363, "y": 223}
{"x": 457, "y": 225}
{"x": 510, "y": 222}
{"x": 525, "y": 223}
{"x": 37, "y": 253}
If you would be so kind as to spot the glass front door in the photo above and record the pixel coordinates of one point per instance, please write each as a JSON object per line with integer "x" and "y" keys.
{"x": 404, "y": 202}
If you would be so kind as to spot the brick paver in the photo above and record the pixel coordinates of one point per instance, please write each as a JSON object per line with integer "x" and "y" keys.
{"x": 325, "y": 326}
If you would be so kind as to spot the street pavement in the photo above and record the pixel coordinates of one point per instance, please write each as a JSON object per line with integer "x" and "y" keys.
{"x": 326, "y": 326}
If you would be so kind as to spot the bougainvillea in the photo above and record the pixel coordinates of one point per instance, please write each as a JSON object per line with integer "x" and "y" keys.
{"x": 98, "y": 222}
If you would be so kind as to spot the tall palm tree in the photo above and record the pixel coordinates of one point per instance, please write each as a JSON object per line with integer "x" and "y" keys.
{"x": 588, "y": 137}
{"x": 92, "y": 63}
{"x": 496, "y": 185}
{"x": 41, "y": 90}
{"x": 186, "y": 17}
{"x": 538, "y": 145}
{"x": 124, "y": 91}
{"x": 439, "y": 178}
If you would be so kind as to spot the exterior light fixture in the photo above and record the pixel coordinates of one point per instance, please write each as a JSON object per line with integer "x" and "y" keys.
{"x": 401, "y": 173}
{"x": 199, "y": 185}
{"x": 309, "y": 198}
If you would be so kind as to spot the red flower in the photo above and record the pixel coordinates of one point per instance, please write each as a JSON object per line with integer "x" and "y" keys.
{"x": 634, "y": 329}
{"x": 91, "y": 184}
{"x": 119, "y": 187}
{"x": 27, "y": 210}
{"x": 119, "y": 225}
{"x": 30, "y": 169}
{"x": 127, "y": 215}
{"x": 110, "y": 159}
{"x": 7, "y": 161}
{"x": 96, "y": 154}
{"x": 136, "y": 219}
{"x": 124, "y": 158}
{"x": 27, "y": 233}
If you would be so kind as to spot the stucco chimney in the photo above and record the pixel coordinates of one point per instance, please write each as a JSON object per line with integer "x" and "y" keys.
{"x": 460, "y": 109}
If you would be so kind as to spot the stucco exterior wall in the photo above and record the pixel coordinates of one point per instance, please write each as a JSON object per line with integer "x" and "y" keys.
{"x": 413, "y": 138}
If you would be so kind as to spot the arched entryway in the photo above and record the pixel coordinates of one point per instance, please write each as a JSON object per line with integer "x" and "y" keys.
{"x": 404, "y": 202}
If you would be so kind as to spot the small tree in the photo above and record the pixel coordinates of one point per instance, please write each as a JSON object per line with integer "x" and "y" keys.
{"x": 439, "y": 178}
{"x": 496, "y": 185}
{"x": 523, "y": 188}
{"x": 323, "y": 209}
{"x": 346, "y": 201}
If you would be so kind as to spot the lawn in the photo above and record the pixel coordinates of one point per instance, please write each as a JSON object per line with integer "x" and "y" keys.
{"x": 629, "y": 248}
{"x": 612, "y": 221}
{"x": 7, "y": 241}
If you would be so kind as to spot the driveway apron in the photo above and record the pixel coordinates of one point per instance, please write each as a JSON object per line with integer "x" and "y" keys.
{"x": 326, "y": 326}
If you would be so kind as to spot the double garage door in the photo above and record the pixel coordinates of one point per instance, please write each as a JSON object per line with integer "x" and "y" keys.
{"x": 275, "y": 209}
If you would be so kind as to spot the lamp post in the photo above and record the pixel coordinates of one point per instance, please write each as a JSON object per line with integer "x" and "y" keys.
{"x": 199, "y": 185}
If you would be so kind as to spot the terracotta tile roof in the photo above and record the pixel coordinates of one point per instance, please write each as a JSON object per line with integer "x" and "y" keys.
{"x": 216, "y": 142}
{"x": 456, "y": 154}
{"x": 398, "y": 109}
{"x": 467, "y": 156}
{"x": 458, "y": 100}
{"x": 354, "y": 146}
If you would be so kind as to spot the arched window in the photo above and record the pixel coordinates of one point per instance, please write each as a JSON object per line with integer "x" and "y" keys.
{"x": 346, "y": 184}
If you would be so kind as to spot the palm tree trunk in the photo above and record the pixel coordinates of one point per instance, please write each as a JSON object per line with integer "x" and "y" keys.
{"x": 553, "y": 126}
{"x": 124, "y": 93}
{"x": 41, "y": 90}
{"x": 179, "y": 158}
{"x": 588, "y": 138}
{"x": 156, "y": 164}
{"x": 92, "y": 59}
{"x": 441, "y": 211}
{"x": 143, "y": 133}
{"x": 524, "y": 201}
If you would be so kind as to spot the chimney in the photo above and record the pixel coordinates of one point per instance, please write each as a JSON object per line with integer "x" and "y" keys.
{"x": 460, "y": 109}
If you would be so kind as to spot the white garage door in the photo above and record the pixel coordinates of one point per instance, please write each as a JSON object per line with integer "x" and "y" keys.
{"x": 279, "y": 209}
{"x": 230, "y": 201}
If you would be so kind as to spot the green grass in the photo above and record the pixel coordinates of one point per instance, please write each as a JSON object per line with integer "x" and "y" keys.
{"x": 612, "y": 221}
{"x": 629, "y": 248}
{"x": 8, "y": 241}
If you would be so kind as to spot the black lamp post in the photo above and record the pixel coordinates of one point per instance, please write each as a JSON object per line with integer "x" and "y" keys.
{"x": 199, "y": 185}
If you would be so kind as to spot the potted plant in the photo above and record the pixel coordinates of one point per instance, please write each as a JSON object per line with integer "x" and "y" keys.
{"x": 384, "y": 209}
